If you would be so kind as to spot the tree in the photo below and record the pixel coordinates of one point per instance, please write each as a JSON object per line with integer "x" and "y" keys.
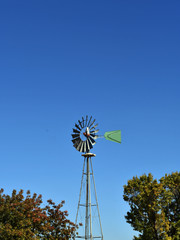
{"x": 154, "y": 206}
{"x": 24, "y": 218}
{"x": 171, "y": 184}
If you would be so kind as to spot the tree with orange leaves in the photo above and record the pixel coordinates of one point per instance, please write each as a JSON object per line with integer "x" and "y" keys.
{"x": 23, "y": 217}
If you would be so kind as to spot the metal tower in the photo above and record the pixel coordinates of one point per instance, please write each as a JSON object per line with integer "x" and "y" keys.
{"x": 89, "y": 232}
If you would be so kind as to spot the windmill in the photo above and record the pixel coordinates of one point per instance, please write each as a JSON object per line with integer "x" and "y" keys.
{"x": 84, "y": 137}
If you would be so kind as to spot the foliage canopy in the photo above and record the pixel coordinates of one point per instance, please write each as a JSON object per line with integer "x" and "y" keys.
{"x": 24, "y": 218}
{"x": 154, "y": 206}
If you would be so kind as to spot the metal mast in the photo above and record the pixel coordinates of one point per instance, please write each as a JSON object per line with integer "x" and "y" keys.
{"x": 87, "y": 204}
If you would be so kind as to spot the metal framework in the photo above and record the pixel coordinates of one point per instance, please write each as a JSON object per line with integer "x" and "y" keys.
{"x": 88, "y": 205}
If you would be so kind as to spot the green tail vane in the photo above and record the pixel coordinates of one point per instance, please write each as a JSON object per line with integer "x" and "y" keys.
{"x": 114, "y": 136}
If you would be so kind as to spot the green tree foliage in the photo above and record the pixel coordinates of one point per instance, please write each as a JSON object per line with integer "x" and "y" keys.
{"x": 154, "y": 206}
{"x": 24, "y": 218}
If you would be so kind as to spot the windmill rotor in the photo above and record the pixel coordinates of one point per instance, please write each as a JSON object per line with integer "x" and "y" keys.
{"x": 84, "y": 134}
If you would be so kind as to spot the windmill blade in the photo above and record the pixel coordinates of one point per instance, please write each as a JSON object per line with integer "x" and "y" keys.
{"x": 83, "y": 122}
{"x": 76, "y": 131}
{"x": 84, "y": 150}
{"x": 75, "y": 135}
{"x": 80, "y": 123}
{"x": 92, "y": 135}
{"x": 94, "y": 131}
{"x": 78, "y": 127}
{"x": 82, "y": 147}
{"x": 79, "y": 145}
{"x": 92, "y": 123}
{"x": 89, "y": 143}
{"x": 95, "y": 136}
{"x": 89, "y": 121}
{"x": 92, "y": 140}
{"x": 86, "y": 120}
{"x": 114, "y": 136}
{"x": 94, "y": 126}
{"x": 76, "y": 140}
{"x": 87, "y": 146}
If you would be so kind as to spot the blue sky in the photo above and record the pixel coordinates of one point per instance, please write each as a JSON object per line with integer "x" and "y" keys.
{"x": 115, "y": 60}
